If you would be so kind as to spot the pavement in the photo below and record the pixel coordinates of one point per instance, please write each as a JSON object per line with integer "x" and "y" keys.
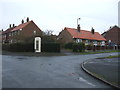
{"x": 105, "y": 69}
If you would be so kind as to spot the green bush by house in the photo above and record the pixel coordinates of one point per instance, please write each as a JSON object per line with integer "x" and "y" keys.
{"x": 29, "y": 47}
{"x": 50, "y": 47}
{"x": 78, "y": 47}
{"x": 69, "y": 45}
{"x": 19, "y": 47}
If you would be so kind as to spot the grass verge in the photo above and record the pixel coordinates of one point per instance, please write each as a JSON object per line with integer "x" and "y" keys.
{"x": 97, "y": 52}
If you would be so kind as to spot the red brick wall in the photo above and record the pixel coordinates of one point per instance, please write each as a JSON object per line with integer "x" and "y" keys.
{"x": 113, "y": 35}
{"x": 65, "y": 37}
{"x": 28, "y": 32}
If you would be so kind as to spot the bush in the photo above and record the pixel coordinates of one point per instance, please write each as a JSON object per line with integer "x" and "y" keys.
{"x": 50, "y": 47}
{"x": 68, "y": 45}
{"x": 78, "y": 47}
{"x": 19, "y": 47}
{"x": 88, "y": 47}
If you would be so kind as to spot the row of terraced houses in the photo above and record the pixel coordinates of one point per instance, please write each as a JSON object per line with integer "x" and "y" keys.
{"x": 27, "y": 30}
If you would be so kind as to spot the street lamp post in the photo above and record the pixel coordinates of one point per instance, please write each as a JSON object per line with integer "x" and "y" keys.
{"x": 78, "y": 26}
{"x": 77, "y": 21}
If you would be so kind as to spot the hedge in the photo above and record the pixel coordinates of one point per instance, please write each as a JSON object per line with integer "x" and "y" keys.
{"x": 19, "y": 47}
{"x": 50, "y": 47}
{"x": 68, "y": 45}
{"x": 78, "y": 47}
{"x": 29, "y": 47}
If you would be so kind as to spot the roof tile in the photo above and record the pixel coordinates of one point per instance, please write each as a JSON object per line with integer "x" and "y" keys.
{"x": 83, "y": 34}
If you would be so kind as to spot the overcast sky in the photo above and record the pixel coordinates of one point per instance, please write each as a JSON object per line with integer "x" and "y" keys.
{"x": 57, "y": 14}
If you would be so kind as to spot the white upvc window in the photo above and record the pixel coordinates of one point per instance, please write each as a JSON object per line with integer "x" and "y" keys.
{"x": 87, "y": 42}
{"x": 34, "y": 32}
{"x": 15, "y": 32}
{"x": 12, "y": 33}
{"x": 11, "y": 41}
{"x": 95, "y": 42}
{"x": 9, "y": 34}
{"x": 78, "y": 40}
{"x": 18, "y": 32}
{"x": 4, "y": 35}
{"x": 103, "y": 43}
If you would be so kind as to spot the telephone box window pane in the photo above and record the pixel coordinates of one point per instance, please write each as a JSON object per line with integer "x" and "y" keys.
{"x": 37, "y": 45}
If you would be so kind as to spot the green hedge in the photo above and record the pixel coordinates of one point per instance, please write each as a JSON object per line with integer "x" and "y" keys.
{"x": 68, "y": 45}
{"x": 50, "y": 47}
{"x": 29, "y": 47}
{"x": 78, "y": 47}
{"x": 19, "y": 47}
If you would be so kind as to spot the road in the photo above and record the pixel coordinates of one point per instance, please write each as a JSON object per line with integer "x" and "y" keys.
{"x": 49, "y": 72}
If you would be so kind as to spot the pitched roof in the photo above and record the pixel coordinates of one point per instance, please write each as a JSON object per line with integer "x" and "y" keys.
{"x": 8, "y": 30}
{"x": 112, "y": 27}
{"x": 21, "y": 26}
{"x": 83, "y": 34}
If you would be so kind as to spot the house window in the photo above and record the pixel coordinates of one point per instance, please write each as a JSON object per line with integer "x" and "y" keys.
{"x": 87, "y": 41}
{"x": 102, "y": 43}
{"x": 18, "y": 32}
{"x": 4, "y": 35}
{"x": 95, "y": 42}
{"x": 11, "y": 41}
{"x": 15, "y": 32}
{"x": 109, "y": 41}
{"x": 9, "y": 34}
{"x": 34, "y": 32}
{"x": 78, "y": 40}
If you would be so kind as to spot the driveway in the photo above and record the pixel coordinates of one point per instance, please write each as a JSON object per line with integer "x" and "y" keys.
{"x": 49, "y": 72}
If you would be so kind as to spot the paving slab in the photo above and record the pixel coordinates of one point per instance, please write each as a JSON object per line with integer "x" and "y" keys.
{"x": 105, "y": 69}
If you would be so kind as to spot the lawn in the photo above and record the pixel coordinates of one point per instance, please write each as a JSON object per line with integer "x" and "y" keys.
{"x": 97, "y": 52}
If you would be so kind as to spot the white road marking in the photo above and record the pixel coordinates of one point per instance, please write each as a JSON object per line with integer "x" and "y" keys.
{"x": 83, "y": 80}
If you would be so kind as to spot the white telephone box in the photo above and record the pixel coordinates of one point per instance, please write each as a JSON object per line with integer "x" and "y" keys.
{"x": 37, "y": 44}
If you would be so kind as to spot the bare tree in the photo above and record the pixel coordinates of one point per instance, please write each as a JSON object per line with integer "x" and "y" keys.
{"x": 48, "y": 32}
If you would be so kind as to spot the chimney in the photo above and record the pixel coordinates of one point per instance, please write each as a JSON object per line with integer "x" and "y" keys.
{"x": 13, "y": 25}
{"x": 27, "y": 19}
{"x": 22, "y": 21}
{"x": 92, "y": 31}
{"x": 78, "y": 28}
{"x": 10, "y": 26}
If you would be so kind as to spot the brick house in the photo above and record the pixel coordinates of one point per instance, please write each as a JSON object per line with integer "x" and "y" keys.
{"x": 21, "y": 33}
{"x": 77, "y": 35}
{"x": 112, "y": 35}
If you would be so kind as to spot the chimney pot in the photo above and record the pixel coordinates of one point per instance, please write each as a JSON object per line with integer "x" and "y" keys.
{"x": 13, "y": 25}
{"x": 22, "y": 21}
{"x": 27, "y": 19}
{"x": 10, "y": 26}
{"x": 92, "y": 31}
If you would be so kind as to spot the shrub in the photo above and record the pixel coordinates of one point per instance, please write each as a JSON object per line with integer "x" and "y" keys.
{"x": 50, "y": 47}
{"x": 78, "y": 47}
{"x": 19, "y": 47}
{"x": 88, "y": 47}
{"x": 68, "y": 45}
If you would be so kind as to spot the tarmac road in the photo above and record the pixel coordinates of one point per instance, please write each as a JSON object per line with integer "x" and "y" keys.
{"x": 48, "y": 72}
